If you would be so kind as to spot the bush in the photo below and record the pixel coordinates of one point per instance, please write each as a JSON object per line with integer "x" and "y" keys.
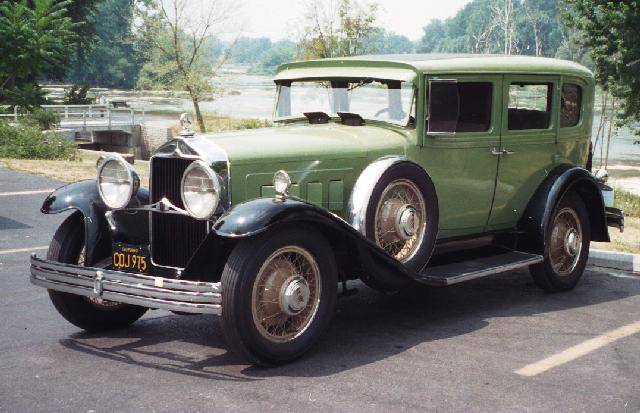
{"x": 42, "y": 118}
{"x": 252, "y": 124}
{"x": 28, "y": 142}
{"x": 77, "y": 95}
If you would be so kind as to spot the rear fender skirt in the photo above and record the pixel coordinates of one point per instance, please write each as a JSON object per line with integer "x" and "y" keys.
{"x": 83, "y": 196}
{"x": 255, "y": 217}
{"x": 559, "y": 181}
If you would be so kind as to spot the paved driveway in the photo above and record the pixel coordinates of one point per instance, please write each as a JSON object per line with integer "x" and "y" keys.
{"x": 497, "y": 344}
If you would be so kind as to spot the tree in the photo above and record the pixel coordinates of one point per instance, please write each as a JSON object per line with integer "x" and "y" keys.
{"x": 335, "y": 28}
{"x": 177, "y": 38}
{"x": 433, "y": 33}
{"x": 610, "y": 31}
{"x": 115, "y": 58}
{"x": 505, "y": 20}
{"x": 381, "y": 41}
{"x": 33, "y": 41}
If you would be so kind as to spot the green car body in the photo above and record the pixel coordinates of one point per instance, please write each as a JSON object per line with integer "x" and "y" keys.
{"x": 477, "y": 191}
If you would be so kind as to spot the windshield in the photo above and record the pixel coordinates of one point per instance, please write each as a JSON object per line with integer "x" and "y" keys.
{"x": 385, "y": 100}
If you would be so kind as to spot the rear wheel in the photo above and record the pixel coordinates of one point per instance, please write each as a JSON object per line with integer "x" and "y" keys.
{"x": 89, "y": 314}
{"x": 566, "y": 246}
{"x": 279, "y": 292}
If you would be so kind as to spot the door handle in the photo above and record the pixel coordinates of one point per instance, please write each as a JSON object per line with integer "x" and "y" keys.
{"x": 496, "y": 151}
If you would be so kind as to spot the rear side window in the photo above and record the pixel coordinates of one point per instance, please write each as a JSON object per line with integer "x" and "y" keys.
{"x": 571, "y": 105}
{"x": 530, "y": 105}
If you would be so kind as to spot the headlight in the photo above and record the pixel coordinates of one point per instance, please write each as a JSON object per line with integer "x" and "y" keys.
{"x": 200, "y": 190}
{"x": 117, "y": 181}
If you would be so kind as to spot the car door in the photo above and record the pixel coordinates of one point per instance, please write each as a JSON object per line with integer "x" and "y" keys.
{"x": 528, "y": 144}
{"x": 457, "y": 149}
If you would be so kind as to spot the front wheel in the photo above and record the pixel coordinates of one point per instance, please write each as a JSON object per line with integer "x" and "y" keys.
{"x": 566, "y": 248}
{"x": 87, "y": 313}
{"x": 279, "y": 292}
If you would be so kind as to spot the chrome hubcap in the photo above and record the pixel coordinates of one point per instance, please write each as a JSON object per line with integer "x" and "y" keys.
{"x": 286, "y": 294}
{"x": 566, "y": 242}
{"x": 294, "y": 295}
{"x": 400, "y": 219}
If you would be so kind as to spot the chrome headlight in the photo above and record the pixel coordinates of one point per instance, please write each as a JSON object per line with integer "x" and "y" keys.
{"x": 200, "y": 189}
{"x": 281, "y": 183}
{"x": 117, "y": 181}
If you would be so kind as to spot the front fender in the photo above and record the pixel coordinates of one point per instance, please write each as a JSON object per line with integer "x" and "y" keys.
{"x": 560, "y": 180}
{"x": 83, "y": 196}
{"x": 257, "y": 216}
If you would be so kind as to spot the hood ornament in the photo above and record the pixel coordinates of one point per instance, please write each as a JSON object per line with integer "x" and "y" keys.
{"x": 187, "y": 125}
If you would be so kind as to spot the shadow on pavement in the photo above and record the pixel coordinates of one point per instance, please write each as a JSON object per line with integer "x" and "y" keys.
{"x": 367, "y": 328}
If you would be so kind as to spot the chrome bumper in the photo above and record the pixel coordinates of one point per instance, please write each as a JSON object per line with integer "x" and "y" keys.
{"x": 615, "y": 218}
{"x": 146, "y": 291}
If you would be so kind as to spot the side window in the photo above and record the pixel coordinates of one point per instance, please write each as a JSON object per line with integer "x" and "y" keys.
{"x": 571, "y": 105}
{"x": 476, "y": 101}
{"x": 530, "y": 105}
{"x": 460, "y": 107}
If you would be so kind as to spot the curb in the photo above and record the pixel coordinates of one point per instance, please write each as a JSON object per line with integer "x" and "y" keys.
{"x": 616, "y": 260}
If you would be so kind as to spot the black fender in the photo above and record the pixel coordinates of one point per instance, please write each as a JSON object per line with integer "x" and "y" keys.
{"x": 257, "y": 216}
{"x": 83, "y": 197}
{"x": 559, "y": 181}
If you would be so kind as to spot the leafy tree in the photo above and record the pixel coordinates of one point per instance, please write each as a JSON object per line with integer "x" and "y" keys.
{"x": 279, "y": 53}
{"x": 433, "y": 34}
{"x": 33, "y": 41}
{"x": 611, "y": 32}
{"x": 177, "y": 39}
{"x": 381, "y": 41}
{"x": 337, "y": 28}
{"x": 530, "y": 27}
{"x": 115, "y": 58}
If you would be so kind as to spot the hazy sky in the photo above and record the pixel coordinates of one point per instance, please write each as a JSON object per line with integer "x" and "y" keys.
{"x": 277, "y": 19}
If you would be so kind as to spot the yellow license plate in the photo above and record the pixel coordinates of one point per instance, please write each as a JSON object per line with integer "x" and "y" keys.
{"x": 130, "y": 258}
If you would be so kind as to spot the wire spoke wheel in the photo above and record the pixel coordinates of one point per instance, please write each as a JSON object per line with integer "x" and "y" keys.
{"x": 400, "y": 219}
{"x": 286, "y": 294}
{"x": 566, "y": 242}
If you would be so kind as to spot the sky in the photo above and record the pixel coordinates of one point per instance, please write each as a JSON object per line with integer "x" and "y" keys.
{"x": 277, "y": 19}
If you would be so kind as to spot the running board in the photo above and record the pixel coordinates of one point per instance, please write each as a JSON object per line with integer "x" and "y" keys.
{"x": 443, "y": 275}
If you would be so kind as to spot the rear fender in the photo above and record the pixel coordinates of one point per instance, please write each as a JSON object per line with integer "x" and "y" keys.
{"x": 83, "y": 196}
{"x": 559, "y": 181}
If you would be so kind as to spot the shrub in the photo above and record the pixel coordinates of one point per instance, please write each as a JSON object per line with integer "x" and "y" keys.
{"x": 77, "y": 95}
{"x": 42, "y": 118}
{"x": 252, "y": 124}
{"x": 28, "y": 142}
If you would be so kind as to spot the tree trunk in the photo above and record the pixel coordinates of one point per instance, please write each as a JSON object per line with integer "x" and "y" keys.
{"x": 196, "y": 109}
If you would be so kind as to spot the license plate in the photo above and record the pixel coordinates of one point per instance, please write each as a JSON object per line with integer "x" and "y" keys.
{"x": 130, "y": 258}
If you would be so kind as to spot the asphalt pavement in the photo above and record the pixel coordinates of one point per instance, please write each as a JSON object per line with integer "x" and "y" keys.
{"x": 495, "y": 344}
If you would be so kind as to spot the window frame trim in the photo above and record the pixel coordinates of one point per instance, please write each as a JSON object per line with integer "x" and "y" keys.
{"x": 496, "y": 104}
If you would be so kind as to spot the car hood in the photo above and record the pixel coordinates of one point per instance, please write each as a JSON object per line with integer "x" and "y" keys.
{"x": 308, "y": 142}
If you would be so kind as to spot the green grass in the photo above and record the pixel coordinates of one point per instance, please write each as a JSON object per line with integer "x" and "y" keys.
{"x": 627, "y": 202}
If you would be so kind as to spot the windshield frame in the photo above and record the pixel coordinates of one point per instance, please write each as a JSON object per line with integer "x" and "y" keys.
{"x": 404, "y": 122}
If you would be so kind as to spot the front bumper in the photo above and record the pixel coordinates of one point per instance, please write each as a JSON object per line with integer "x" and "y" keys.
{"x": 615, "y": 218}
{"x": 142, "y": 290}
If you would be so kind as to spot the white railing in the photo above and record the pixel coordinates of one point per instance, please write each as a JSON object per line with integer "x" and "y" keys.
{"x": 90, "y": 115}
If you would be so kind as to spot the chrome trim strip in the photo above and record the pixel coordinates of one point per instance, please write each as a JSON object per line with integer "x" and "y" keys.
{"x": 147, "y": 291}
{"x": 363, "y": 189}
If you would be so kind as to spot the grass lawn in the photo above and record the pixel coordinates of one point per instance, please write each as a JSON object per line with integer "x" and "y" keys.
{"x": 69, "y": 171}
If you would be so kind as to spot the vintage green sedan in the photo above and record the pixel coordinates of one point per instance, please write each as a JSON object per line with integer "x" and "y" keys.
{"x": 435, "y": 169}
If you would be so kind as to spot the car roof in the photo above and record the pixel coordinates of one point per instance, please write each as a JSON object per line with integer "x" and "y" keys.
{"x": 432, "y": 63}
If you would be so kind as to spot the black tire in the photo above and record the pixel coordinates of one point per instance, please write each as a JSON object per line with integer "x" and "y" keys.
{"x": 416, "y": 175}
{"x": 66, "y": 247}
{"x": 544, "y": 274}
{"x": 240, "y": 273}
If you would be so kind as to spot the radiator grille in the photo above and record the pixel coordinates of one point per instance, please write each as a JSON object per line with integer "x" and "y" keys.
{"x": 174, "y": 238}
